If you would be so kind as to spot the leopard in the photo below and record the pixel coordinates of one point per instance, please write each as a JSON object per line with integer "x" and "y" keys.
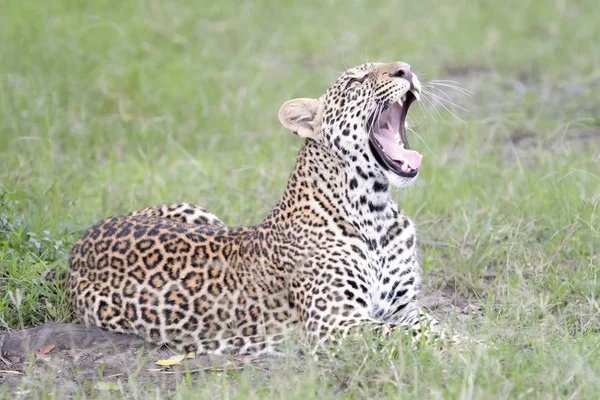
{"x": 334, "y": 255}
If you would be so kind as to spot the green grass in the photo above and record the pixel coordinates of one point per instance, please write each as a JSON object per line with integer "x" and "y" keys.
{"x": 110, "y": 106}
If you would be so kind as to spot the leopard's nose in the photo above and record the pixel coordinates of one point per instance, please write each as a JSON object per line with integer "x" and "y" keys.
{"x": 403, "y": 71}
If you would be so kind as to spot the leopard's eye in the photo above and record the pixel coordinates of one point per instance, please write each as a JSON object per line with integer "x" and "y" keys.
{"x": 354, "y": 82}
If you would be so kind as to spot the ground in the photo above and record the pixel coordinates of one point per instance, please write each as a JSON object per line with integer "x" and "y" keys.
{"x": 106, "y": 107}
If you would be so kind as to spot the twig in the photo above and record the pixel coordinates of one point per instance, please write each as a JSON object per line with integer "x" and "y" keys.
{"x": 433, "y": 243}
{"x": 6, "y": 371}
{"x": 191, "y": 371}
{"x": 356, "y": 373}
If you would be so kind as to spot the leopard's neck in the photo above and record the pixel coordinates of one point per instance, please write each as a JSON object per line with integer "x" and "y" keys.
{"x": 324, "y": 191}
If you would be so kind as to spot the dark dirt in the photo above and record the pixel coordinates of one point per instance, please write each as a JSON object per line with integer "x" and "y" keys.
{"x": 574, "y": 136}
{"x": 445, "y": 302}
{"x": 524, "y": 142}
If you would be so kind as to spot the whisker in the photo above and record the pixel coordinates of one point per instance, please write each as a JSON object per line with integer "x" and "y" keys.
{"x": 430, "y": 103}
{"x": 379, "y": 111}
{"x": 337, "y": 73}
{"x": 457, "y": 88}
{"x": 424, "y": 108}
{"x": 421, "y": 108}
{"x": 450, "y": 85}
{"x": 422, "y": 140}
{"x": 447, "y": 81}
{"x": 447, "y": 100}
{"x": 440, "y": 91}
{"x": 378, "y": 119}
{"x": 443, "y": 88}
{"x": 444, "y": 106}
{"x": 372, "y": 118}
{"x": 439, "y": 87}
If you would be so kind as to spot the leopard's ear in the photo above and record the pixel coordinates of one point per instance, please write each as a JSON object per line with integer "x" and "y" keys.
{"x": 301, "y": 116}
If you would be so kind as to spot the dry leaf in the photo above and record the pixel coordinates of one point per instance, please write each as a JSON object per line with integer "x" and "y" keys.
{"x": 191, "y": 355}
{"x": 174, "y": 360}
{"x": 44, "y": 350}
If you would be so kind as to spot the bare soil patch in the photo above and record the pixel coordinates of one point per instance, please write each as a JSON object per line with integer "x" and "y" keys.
{"x": 100, "y": 359}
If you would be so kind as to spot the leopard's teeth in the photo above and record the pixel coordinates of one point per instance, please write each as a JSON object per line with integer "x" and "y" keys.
{"x": 417, "y": 94}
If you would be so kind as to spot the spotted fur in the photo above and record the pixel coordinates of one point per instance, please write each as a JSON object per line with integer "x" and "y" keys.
{"x": 334, "y": 254}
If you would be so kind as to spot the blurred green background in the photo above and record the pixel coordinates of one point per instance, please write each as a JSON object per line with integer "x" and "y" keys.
{"x": 109, "y": 106}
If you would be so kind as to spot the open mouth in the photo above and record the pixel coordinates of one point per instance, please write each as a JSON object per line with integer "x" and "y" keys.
{"x": 387, "y": 138}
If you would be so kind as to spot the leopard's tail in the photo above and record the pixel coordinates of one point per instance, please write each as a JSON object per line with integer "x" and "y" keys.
{"x": 58, "y": 276}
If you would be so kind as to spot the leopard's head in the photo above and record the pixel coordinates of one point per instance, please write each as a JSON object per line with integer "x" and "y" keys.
{"x": 362, "y": 120}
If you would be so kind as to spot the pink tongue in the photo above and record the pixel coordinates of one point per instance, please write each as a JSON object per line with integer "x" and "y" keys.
{"x": 409, "y": 157}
